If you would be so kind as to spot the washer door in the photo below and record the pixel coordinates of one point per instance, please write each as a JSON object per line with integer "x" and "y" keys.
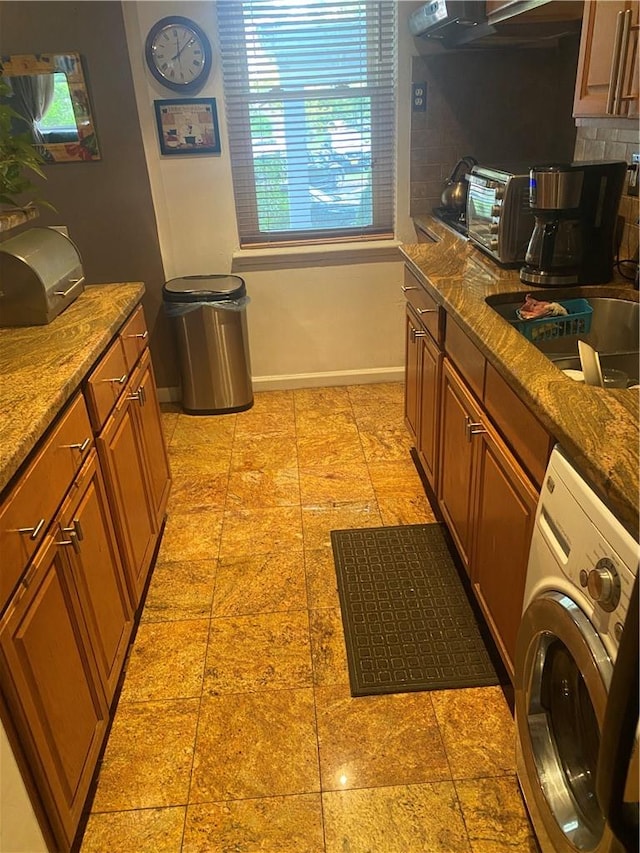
{"x": 562, "y": 678}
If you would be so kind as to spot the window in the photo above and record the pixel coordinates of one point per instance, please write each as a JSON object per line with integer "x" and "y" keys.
{"x": 310, "y": 106}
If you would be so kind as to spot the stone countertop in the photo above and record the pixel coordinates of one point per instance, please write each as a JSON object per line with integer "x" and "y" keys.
{"x": 598, "y": 428}
{"x": 42, "y": 366}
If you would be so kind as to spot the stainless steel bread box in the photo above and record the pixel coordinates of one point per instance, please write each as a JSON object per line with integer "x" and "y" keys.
{"x": 40, "y": 275}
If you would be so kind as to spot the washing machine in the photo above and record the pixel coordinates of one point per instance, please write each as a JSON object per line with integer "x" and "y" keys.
{"x": 580, "y": 575}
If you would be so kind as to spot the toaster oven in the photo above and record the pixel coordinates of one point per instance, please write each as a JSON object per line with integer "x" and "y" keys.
{"x": 499, "y": 219}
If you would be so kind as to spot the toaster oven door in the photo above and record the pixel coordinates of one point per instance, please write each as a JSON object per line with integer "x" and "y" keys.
{"x": 483, "y": 212}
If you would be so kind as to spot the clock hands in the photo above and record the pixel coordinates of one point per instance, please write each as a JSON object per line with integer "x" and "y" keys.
{"x": 184, "y": 46}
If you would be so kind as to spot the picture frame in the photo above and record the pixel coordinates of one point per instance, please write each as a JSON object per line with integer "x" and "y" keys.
{"x": 187, "y": 126}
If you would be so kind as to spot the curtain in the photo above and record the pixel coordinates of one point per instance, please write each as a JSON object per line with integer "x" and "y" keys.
{"x": 32, "y": 96}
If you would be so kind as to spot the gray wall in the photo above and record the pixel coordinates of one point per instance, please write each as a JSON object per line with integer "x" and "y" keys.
{"x": 106, "y": 204}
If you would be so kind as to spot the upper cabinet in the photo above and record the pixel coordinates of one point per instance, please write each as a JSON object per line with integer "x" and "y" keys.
{"x": 607, "y": 81}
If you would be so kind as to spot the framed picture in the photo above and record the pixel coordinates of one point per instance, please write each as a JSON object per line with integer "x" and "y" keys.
{"x": 188, "y": 126}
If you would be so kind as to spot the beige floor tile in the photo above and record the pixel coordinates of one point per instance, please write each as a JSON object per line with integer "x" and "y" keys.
{"x": 389, "y": 444}
{"x": 416, "y": 510}
{"x": 377, "y": 741}
{"x": 322, "y": 586}
{"x": 397, "y": 479}
{"x": 478, "y": 731}
{"x": 139, "y": 831}
{"x": 268, "y": 651}
{"x": 259, "y": 531}
{"x": 167, "y": 661}
{"x": 264, "y": 422}
{"x": 328, "y": 651}
{"x": 322, "y": 422}
{"x": 181, "y": 590}
{"x": 255, "y": 745}
{"x": 273, "y": 402}
{"x": 169, "y": 422}
{"x": 405, "y": 819}
{"x": 191, "y": 492}
{"x": 495, "y": 815}
{"x": 191, "y": 536}
{"x": 290, "y": 824}
{"x": 201, "y": 462}
{"x": 206, "y": 430}
{"x": 344, "y": 483}
{"x": 259, "y": 452}
{"x": 260, "y": 583}
{"x": 329, "y": 399}
{"x": 264, "y": 488}
{"x": 318, "y": 521}
{"x": 147, "y": 762}
{"x": 378, "y": 393}
{"x": 331, "y": 451}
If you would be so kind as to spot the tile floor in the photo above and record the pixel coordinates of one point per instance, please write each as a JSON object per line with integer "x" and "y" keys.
{"x": 235, "y": 729}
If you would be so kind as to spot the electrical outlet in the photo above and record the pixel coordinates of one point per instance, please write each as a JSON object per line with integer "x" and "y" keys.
{"x": 634, "y": 168}
{"x": 418, "y": 97}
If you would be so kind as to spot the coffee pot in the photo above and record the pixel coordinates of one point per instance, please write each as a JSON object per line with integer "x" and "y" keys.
{"x": 454, "y": 194}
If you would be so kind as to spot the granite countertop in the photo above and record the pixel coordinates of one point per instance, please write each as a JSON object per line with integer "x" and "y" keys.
{"x": 597, "y": 428}
{"x": 42, "y": 366}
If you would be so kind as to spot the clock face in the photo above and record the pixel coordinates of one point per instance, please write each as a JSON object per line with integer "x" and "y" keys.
{"x": 178, "y": 53}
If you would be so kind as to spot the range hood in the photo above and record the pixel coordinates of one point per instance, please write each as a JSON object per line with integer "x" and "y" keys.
{"x": 521, "y": 23}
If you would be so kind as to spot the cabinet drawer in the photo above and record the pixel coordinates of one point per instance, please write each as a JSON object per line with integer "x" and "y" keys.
{"x": 134, "y": 337}
{"x": 31, "y": 505}
{"x": 105, "y": 384}
{"x": 424, "y": 305}
{"x": 466, "y": 356}
{"x": 526, "y": 435}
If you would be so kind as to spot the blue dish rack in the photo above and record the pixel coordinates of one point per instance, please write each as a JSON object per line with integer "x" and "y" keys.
{"x": 576, "y": 322}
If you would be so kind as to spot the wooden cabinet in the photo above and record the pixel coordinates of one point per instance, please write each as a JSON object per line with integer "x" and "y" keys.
{"x": 422, "y": 377}
{"x": 607, "y": 79}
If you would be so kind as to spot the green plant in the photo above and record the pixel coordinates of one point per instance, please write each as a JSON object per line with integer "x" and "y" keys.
{"x": 18, "y": 156}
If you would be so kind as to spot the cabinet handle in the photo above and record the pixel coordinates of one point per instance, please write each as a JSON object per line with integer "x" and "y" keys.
{"x": 142, "y": 390}
{"x": 417, "y": 333}
{"x": 73, "y": 282}
{"x": 72, "y": 540}
{"x": 405, "y": 289}
{"x": 79, "y": 447}
{"x": 139, "y": 396}
{"x": 472, "y": 428}
{"x": 32, "y": 531}
{"x": 615, "y": 64}
{"x": 622, "y": 63}
{"x": 118, "y": 380}
{"x": 427, "y": 310}
{"x": 76, "y": 529}
{"x": 142, "y": 335}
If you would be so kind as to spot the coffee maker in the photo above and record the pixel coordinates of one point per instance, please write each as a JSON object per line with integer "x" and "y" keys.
{"x": 575, "y": 207}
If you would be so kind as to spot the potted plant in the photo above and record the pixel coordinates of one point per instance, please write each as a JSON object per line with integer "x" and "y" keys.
{"x": 18, "y": 157}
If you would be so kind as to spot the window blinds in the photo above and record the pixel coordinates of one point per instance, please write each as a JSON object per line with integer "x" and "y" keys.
{"x": 310, "y": 106}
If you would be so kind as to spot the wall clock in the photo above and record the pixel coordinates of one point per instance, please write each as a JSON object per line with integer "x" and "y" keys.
{"x": 178, "y": 53}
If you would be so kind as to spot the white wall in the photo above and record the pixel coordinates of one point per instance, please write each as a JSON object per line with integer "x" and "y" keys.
{"x": 308, "y": 325}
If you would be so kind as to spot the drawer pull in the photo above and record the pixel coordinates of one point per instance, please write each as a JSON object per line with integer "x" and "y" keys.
{"x": 139, "y": 396}
{"x": 73, "y": 282}
{"x": 80, "y": 447}
{"x": 472, "y": 428}
{"x": 405, "y": 288}
{"x": 72, "y": 540}
{"x": 417, "y": 333}
{"x": 427, "y": 310}
{"x": 76, "y": 529}
{"x": 32, "y": 531}
{"x": 142, "y": 335}
{"x": 118, "y": 380}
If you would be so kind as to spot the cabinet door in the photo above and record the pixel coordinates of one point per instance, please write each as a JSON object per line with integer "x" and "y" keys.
{"x": 608, "y": 61}
{"x": 153, "y": 438}
{"x": 459, "y": 413}
{"x": 98, "y": 573}
{"x": 52, "y": 688}
{"x": 122, "y": 455}
{"x": 504, "y": 513}
{"x": 429, "y": 417}
{"x": 412, "y": 374}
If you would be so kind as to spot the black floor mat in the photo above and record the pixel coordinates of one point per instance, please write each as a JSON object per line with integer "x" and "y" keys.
{"x": 408, "y": 623}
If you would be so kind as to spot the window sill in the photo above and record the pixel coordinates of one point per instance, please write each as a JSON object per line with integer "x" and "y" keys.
{"x": 326, "y": 255}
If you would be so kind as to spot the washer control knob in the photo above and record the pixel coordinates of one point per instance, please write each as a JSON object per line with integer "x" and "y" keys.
{"x": 584, "y": 577}
{"x": 603, "y": 584}
{"x": 617, "y": 631}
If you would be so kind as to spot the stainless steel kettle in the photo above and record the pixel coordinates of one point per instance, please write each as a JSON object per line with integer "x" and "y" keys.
{"x": 454, "y": 194}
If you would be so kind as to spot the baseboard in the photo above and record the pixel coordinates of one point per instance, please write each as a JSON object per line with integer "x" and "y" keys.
{"x": 288, "y": 382}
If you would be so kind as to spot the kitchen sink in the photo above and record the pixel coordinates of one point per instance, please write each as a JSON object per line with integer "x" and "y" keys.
{"x": 614, "y": 332}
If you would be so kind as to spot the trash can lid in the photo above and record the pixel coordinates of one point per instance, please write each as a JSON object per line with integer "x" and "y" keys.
{"x": 204, "y": 288}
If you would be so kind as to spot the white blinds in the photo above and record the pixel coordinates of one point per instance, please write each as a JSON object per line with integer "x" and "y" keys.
{"x": 310, "y": 105}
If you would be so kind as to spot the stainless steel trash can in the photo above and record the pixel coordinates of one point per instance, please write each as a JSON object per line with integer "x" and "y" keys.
{"x": 210, "y": 320}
